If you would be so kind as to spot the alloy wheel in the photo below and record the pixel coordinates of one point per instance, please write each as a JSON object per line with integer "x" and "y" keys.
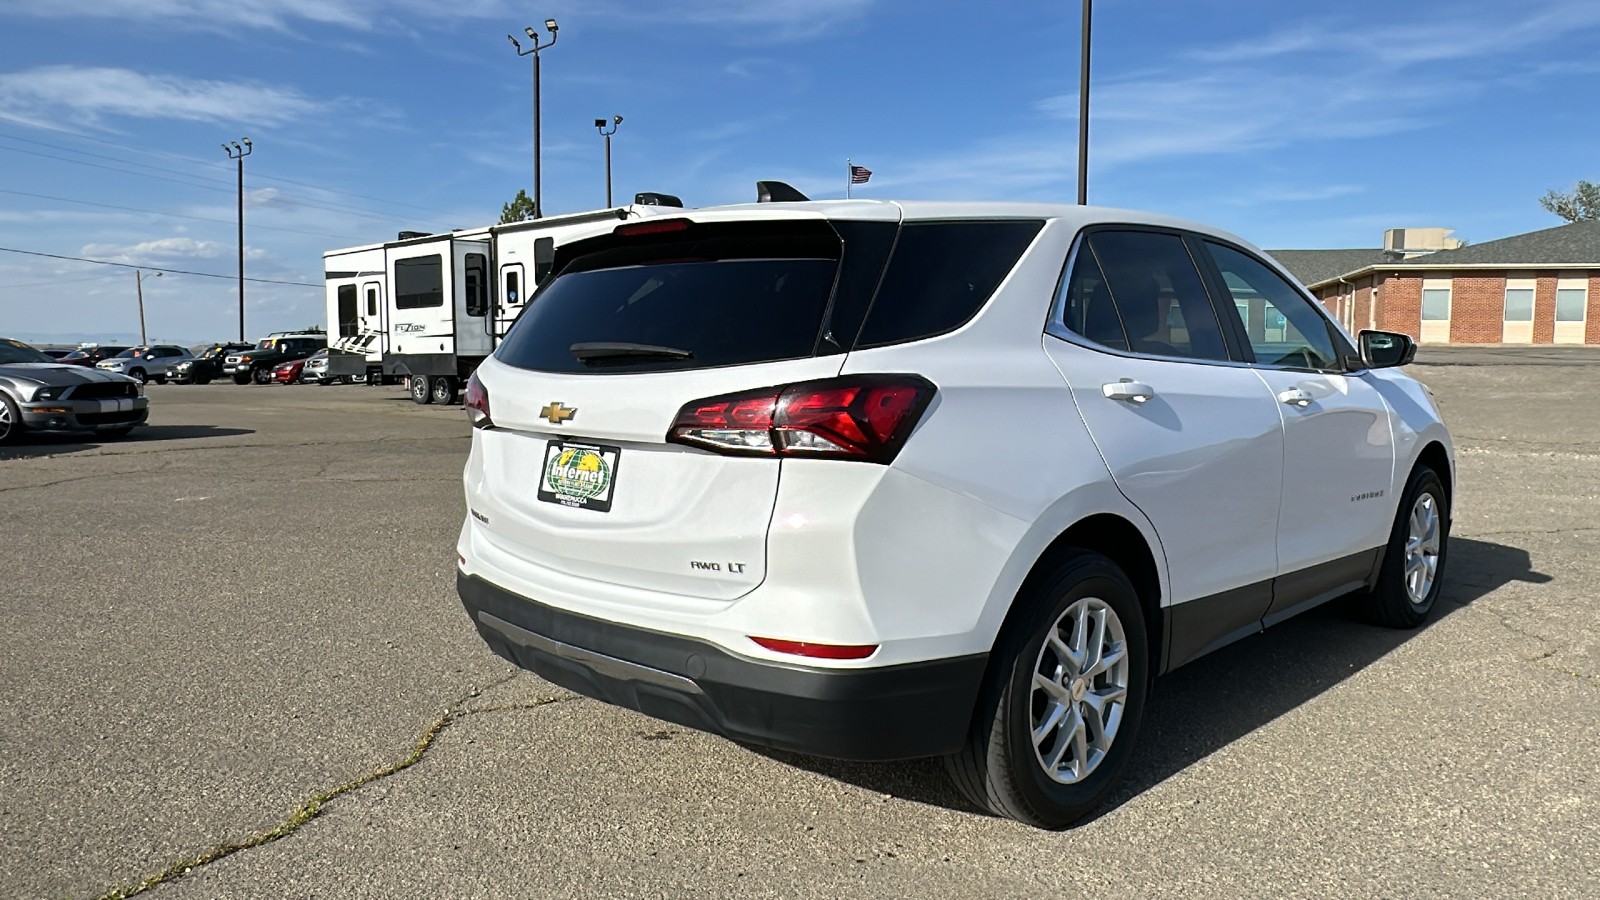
{"x": 1080, "y": 690}
{"x": 1423, "y": 540}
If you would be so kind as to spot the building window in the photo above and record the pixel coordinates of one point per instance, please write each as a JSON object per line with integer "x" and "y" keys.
{"x": 1436, "y": 303}
{"x": 1519, "y": 300}
{"x": 1572, "y": 299}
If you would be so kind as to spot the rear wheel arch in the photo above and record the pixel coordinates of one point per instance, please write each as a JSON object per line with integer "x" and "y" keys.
{"x": 1118, "y": 540}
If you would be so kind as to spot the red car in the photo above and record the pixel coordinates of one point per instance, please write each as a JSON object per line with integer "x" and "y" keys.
{"x": 288, "y": 372}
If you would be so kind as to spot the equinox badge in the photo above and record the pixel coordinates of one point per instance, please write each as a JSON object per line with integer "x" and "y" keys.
{"x": 557, "y": 413}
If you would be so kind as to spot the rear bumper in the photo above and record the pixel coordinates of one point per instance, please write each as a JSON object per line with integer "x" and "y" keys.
{"x": 891, "y": 712}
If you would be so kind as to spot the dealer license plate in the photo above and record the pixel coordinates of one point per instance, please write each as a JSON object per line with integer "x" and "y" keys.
{"x": 582, "y": 476}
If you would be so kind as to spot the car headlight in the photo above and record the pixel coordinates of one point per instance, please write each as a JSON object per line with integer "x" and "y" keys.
{"x": 183, "y": 366}
{"x": 49, "y": 393}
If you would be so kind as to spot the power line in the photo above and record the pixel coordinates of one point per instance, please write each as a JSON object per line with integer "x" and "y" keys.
{"x": 18, "y": 287}
{"x": 210, "y": 164}
{"x": 200, "y": 182}
{"x": 337, "y": 237}
{"x": 107, "y": 262}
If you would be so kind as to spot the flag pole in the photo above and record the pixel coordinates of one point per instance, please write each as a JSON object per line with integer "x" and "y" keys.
{"x": 849, "y": 175}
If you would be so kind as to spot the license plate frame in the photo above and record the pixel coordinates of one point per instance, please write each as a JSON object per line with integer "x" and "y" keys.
{"x": 585, "y": 479}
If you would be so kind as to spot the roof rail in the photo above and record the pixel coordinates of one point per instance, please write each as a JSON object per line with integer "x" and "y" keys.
{"x": 778, "y": 192}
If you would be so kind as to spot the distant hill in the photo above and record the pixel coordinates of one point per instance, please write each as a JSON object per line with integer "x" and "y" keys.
{"x": 73, "y": 339}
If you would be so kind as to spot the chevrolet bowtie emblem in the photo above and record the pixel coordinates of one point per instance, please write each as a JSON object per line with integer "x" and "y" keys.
{"x": 557, "y": 413}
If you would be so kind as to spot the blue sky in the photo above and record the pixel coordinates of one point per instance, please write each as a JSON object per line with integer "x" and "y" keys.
{"x": 1294, "y": 125}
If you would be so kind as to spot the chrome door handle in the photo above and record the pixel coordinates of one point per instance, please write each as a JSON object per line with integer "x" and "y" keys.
{"x": 1128, "y": 391}
{"x": 1296, "y": 397}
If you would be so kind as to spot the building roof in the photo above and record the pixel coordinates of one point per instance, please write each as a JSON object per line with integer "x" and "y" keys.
{"x": 1573, "y": 244}
{"x": 1576, "y": 243}
{"x": 1313, "y": 267}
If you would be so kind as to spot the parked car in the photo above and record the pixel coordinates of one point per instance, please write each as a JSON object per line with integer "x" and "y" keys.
{"x": 89, "y": 356}
{"x": 288, "y": 372}
{"x": 39, "y": 394}
{"x": 256, "y": 364}
{"x": 961, "y": 490}
{"x": 55, "y": 353}
{"x": 146, "y": 363}
{"x": 202, "y": 368}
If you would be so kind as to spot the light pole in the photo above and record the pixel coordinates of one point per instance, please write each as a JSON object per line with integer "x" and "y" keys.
{"x": 237, "y": 152}
{"x": 1083, "y": 109}
{"x": 600, "y": 125}
{"x": 138, "y": 287}
{"x": 552, "y": 27}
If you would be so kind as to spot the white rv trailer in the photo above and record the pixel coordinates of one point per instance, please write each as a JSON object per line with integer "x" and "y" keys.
{"x": 444, "y": 301}
{"x": 356, "y": 288}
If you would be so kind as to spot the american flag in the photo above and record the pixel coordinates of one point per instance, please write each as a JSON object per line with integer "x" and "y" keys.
{"x": 860, "y": 174}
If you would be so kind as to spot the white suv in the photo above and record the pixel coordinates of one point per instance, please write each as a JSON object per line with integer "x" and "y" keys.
{"x": 882, "y": 480}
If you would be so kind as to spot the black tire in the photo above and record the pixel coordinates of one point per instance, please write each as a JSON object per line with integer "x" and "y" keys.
{"x": 1390, "y": 601}
{"x": 202, "y": 379}
{"x": 1000, "y": 769}
{"x": 421, "y": 388}
{"x": 241, "y": 378}
{"x": 261, "y": 375}
{"x": 160, "y": 379}
{"x": 139, "y": 374}
{"x": 11, "y": 427}
{"x": 443, "y": 390}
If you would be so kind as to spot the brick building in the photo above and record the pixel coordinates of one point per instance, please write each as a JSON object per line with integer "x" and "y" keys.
{"x": 1542, "y": 287}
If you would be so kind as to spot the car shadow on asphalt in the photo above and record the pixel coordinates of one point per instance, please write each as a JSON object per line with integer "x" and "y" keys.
{"x": 58, "y": 444}
{"x": 1212, "y": 702}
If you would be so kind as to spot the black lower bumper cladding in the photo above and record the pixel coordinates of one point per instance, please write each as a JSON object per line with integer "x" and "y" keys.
{"x": 891, "y": 712}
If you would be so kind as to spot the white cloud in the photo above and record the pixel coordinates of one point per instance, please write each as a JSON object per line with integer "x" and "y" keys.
{"x": 88, "y": 95}
{"x": 161, "y": 250}
{"x": 757, "y": 20}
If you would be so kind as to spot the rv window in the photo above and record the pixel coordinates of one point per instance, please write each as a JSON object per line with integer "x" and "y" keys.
{"x": 347, "y": 310}
{"x": 372, "y": 302}
{"x": 544, "y": 257}
{"x": 512, "y": 294}
{"x": 418, "y": 282}
{"x": 477, "y": 284}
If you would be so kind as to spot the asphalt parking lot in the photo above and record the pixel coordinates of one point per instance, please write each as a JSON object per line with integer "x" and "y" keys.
{"x": 246, "y": 615}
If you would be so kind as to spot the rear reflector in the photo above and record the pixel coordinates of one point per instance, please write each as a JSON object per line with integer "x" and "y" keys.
{"x": 862, "y": 417}
{"x": 655, "y": 226}
{"x": 477, "y": 403}
{"x": 818, "y": 651}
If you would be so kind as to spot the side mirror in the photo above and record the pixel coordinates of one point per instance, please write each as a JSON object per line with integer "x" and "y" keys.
{"x": 1386, "y": 349}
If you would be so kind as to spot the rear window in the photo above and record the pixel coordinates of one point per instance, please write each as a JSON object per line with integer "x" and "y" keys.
{"x": 941, "y": 274}
{"x": 749, "y": 292}
{"x": 724, "y": 294}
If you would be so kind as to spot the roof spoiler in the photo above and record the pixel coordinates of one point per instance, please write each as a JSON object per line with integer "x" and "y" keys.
{"x": 778, "y": 192}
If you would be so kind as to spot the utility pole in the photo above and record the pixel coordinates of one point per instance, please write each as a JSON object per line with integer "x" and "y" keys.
{"x": 553, "y": 28}
{"x": 237, "y": 152}
{"x": 138, "y": 287}
{"x": 1083, "y": 108}
{"x": 600, "y": 125}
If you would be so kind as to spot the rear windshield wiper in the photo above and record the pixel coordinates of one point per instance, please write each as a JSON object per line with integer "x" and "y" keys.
{"x": 598, "y": 351}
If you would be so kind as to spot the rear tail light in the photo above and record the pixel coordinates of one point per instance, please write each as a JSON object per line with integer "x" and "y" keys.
{"x": 477, "y": 403}
{"x": 863, "y": 417}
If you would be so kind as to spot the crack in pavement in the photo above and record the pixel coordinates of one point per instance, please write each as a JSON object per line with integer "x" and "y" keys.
{"x": 455, "y": 712}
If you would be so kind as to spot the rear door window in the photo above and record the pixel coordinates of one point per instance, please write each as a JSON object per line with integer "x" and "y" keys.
{"x": 1139, "y": 292}
{"x": 941, "y": 274}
